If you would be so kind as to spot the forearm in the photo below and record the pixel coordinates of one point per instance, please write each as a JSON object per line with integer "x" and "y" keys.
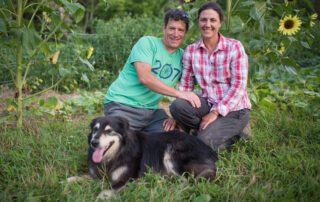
{"x": 153, "y": 83}
{"x": 158, "y": 86}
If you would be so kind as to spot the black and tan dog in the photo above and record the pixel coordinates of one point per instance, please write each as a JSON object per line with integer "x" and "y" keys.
{"x": 122, "y": 154}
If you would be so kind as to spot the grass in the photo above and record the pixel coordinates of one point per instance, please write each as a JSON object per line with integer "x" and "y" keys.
{"x": 280, "y": 163}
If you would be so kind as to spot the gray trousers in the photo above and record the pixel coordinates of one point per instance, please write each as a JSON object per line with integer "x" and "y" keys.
{"x": 147, "y": 120}
{"x": 217, "y": 134}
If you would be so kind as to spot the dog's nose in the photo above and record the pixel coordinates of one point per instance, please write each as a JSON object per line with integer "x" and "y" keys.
{"x": 94, "y": 143}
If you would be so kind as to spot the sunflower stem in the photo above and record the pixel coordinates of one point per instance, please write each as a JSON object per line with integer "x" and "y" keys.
{"x": 229, "y": 3}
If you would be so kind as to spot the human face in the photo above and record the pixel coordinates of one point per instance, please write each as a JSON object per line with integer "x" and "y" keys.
{"x": 174, "y": 34}
{"x": 209, "y": 24}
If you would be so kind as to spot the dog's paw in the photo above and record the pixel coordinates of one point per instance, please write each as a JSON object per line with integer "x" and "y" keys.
{"x": 105, "y": 195}
{"x": 78, "y": 178}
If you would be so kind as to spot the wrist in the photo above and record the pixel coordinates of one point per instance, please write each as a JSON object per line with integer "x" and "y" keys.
{"x": 178, "y": 94}
{"x": 215, "y": 113}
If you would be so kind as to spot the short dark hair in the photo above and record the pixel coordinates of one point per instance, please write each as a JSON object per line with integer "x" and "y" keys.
{"x": 176, "y": 14}
{"x": 214, "y": 6}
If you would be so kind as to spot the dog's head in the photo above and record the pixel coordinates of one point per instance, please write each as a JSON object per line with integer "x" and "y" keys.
{"x": 107, "y": 135}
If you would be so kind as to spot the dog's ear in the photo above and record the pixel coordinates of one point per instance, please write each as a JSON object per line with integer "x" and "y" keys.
{"x": 93, "y": 122}
{"x": 122, "y": 123}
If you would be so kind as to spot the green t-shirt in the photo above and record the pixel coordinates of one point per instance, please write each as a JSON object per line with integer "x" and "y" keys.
{"x": 128, "y": 90}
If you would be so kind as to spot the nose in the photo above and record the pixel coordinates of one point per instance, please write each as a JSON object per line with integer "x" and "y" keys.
{"x": 207, "y": 23}
{"x": 176, "y": 33}
{"x": 94, "y": 143}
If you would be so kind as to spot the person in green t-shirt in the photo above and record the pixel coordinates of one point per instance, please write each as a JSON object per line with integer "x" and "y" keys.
{"x": 152, "y": 68}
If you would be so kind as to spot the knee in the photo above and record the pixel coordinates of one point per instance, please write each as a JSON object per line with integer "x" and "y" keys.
{"x": 178, "y": 107}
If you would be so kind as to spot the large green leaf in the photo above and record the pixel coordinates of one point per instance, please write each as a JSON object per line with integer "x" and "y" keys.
{"x": 87, "y": 63}
{"x": 76, "y": 10}
{"x": 30, "y": 39}
{"x": 255, "y": 14}
{"x": 236, "y": 24}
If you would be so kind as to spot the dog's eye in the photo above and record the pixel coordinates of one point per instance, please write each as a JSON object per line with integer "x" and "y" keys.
{"x": 94, "y": 130}
{"x": 108, "y": 131}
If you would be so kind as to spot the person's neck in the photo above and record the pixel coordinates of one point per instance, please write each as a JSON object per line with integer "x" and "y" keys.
{"x": 168, "y": 48}
{"x": 211, "y": 43}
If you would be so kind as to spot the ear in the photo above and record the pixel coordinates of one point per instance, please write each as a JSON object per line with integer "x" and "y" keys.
{"x": 93, "y": 122}
{"x": 123, "y": 123}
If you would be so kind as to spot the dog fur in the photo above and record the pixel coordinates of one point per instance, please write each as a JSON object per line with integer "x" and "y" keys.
{"x": 122, "y": 154}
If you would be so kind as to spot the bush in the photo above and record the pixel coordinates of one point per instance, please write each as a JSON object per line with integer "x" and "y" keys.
{"x": 111, "y": 46}
{"x": 114, "y": 39}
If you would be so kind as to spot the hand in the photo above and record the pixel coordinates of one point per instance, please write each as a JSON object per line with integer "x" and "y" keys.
{"x": 207, "y": 119}
{"x": 191, "y": 97}
{"x": 169, "y": 124}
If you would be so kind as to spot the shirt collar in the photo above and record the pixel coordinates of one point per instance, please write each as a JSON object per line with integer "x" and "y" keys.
{"x": 221, "y": 44}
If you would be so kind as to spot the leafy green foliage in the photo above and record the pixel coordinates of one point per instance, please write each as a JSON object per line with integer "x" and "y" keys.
{"x": 132, "y": 7}
{"x": 26, "y": 38}
{"x": 114, "y": 39}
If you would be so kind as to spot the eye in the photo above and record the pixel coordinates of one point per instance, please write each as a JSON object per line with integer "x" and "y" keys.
{"x": 94, "y": 130}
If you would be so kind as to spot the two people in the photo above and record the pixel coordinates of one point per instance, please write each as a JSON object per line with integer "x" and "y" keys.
{"x": 219, "y": 65}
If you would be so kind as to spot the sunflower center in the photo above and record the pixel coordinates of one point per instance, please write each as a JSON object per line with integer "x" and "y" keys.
{"x": 289, "y": 24}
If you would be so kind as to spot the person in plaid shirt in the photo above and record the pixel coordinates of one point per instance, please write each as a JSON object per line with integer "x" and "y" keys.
{"x": 219, "y": 65}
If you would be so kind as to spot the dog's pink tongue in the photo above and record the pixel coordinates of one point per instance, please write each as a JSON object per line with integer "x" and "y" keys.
{"x": 97, "y": 155}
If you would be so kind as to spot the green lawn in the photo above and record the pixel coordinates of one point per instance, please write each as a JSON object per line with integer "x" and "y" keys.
{"x": 280, "y": 163}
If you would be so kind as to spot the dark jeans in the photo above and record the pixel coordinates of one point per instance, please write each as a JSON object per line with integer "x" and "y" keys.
{"x": 218, "y": 133}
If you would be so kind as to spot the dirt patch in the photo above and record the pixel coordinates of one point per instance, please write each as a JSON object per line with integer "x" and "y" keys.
{"x": 7, "y": 93}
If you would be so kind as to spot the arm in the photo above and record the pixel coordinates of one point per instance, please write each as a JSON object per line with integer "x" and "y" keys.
{"x": 239, "y": 78}
{"x": 187, "y": 79}
{"x": 153, "y": 83}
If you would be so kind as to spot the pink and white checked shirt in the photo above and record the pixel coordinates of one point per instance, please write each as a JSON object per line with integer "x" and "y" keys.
{"x": 222, "y": 76}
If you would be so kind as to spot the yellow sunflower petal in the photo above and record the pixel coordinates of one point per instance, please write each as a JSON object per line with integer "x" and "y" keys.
{"x": 289, "y": 25}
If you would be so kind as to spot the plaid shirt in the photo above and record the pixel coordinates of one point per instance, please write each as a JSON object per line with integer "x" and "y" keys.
{"x": 222, "y": 75}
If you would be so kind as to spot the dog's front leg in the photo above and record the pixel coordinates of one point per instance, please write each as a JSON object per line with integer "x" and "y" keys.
{"x": 108, "y": 194}
{"x": 79, "y": 178}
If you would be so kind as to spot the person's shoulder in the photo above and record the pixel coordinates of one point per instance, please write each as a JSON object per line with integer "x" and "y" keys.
{"x": 231, "y": 41}
{"x": 149, "y": 38}
{"x": 180, "y": 51}
{"x": 193, "y": 46}
{"x": 233, "y": 45}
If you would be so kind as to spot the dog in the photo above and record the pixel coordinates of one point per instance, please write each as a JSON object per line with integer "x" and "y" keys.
{"x": 122, "y": 154}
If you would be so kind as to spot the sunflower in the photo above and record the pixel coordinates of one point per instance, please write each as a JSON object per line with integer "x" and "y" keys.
{"x": 289, "y": 25}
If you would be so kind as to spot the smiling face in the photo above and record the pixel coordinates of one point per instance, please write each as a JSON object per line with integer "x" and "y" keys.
{"x": 174, "y": 34}
{"x": 209, "y": 24}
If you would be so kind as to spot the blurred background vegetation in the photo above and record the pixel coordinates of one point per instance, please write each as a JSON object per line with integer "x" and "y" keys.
{"x": 58, "y": 57}
{"x": 82, "y": 45}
